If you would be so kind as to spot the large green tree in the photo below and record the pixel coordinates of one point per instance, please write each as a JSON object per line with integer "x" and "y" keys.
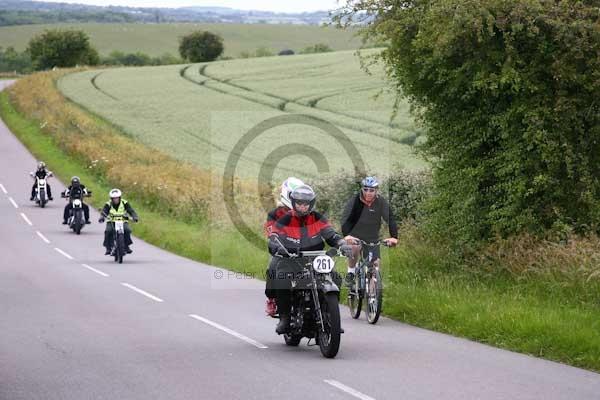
{"x": 509, "y": 91}
{"x": 61, "y": 48}
{"x": 201, "y": 46}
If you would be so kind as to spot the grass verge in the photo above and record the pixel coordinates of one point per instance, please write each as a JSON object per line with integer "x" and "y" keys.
{"x": 423, "y": 286}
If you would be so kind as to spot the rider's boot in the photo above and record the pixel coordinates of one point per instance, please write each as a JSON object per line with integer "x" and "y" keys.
{"x": 284, "y": 324}
{"x": 107, "y": 252}
{"x": 128, "y": 250}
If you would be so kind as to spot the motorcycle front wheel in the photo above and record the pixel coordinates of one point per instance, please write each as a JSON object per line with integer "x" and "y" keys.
{"x": 329, "y": 341}
{"x": 120, "y": 249}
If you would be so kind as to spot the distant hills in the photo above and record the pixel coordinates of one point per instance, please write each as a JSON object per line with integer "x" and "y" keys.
{"x": 18, "y": 12}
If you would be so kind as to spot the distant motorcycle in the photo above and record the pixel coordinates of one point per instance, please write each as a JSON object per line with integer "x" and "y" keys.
{"x": 315, "y": 311}
{"x": 41, "y": 191}
{"x": 76, "y": 219}
{"x": 119, "y": 237}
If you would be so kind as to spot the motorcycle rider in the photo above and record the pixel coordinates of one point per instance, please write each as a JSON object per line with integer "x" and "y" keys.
{"x": 300, "y": 229}
{"x": 283, "y": 206}
{"x": 362, "y": 220}
{"x": 116, "y": 206}
{"x": 76, "y": 191}
{"x": 41, "y": 173}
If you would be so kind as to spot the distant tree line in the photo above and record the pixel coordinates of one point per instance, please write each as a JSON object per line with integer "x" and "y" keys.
{"x": 70, "y": 48}
{"x": 21, "y": 17}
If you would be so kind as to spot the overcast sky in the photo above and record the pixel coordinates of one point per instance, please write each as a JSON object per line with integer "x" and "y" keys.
{"x": 269, "y": 5}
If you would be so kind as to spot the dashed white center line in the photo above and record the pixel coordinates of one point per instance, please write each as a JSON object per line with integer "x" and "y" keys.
{"x": 63, "y": 253}
{"x": 3, "y": 189}
{"x": 44, "y": 238}
{"x": 26, "y": 219}
{"x": 95, "y": 270}
{"x": 142, "y": 292}
{"x": 229, "y": 331}
{"x": 348, "y": 390}
{"x": 14, "y": 203}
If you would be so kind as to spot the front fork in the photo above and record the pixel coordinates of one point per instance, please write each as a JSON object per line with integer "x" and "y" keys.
{"x": 315, "y": 293}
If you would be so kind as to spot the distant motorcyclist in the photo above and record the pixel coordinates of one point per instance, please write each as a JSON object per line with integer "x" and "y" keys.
{"x": 284, "y": 205}
{"x": 41, "y": 173}
{"x": 76, "y": 191}
{"x": 362, "y": 219}
{"x": 300, "y": 229}
{"x": 117, "y": 207}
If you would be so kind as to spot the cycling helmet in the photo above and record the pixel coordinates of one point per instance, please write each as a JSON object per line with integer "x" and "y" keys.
{"x": 287, "y": 187}
{"x": 303, "y": 193}
{"x": 115, "y": 193}
{"x": 370, "y": 182}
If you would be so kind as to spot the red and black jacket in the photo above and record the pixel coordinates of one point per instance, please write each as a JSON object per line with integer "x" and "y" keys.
{"x": 303, "y": 233}
{"x": 272, "y": 218}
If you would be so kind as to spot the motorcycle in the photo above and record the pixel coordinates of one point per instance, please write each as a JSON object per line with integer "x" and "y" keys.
{"x": 76, "y": 220}
{"x": 315, "y": 312}
{"x": 41, "y": 192}
{"x": 119, "y": 237}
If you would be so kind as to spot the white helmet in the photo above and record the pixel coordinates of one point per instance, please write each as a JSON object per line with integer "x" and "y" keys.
{"x": 287, "y": 187}
{"x": 115, "y": 193}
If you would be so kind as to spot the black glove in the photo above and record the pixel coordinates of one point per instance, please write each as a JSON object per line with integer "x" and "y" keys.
{"x": 101, "y": 220}
{"x": 346, "y": 250}
{"x": 136, "y": 219}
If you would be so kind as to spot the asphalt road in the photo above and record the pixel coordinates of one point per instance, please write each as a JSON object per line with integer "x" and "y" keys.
{"x": 75, "y": 325}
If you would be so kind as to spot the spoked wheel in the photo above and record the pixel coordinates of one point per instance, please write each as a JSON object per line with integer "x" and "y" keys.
{"x": 329, "y": 341}
{"x": 292, "y": 340}
{"x": 120, "y": 249}
{"x": 375, "y": 296}
{"x": 355, "y": 298}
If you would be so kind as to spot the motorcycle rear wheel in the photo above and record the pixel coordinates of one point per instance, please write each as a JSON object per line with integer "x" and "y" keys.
{"x": 292, "y": 340}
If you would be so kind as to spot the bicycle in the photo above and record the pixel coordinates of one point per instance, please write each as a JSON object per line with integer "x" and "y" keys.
{"x": 367, "y": 284}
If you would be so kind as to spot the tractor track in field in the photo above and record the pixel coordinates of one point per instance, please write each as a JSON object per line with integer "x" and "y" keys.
{"x": 98, "y": 88}
{"x": 282, "y": 103}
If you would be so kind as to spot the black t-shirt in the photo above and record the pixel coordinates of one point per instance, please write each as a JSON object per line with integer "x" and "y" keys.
{"x": 364, "y": 222}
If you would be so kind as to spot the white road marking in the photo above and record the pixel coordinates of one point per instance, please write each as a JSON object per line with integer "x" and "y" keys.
{"x": 142, "y": 292}
{"x": 63, "y": 253}
{"x": 3, "y": 189}
{"x": 229, "y": 331}
{"x": 348, "y": 390}
{"x": 44, "y": 238}
{"x": 26, "y": 219}
{"x": 14, "y": 203}
{"x": 95, "y": 270}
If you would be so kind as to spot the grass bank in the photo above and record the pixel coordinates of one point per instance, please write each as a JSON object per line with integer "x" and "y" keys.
{"x": 545, "y": 316}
